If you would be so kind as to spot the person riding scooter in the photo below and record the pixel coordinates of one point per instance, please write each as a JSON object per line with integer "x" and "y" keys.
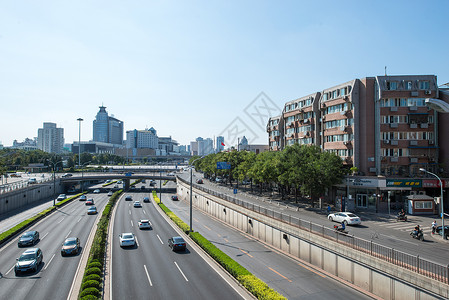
{"x": 401, "y": 216}
{"x": 341, "y": 228}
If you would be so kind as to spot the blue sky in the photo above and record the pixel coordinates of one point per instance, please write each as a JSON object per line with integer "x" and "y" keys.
{"x": 191, "y": 68}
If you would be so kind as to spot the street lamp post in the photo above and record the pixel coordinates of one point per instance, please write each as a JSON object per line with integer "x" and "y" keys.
{"x": 82, "y": 175}
{"x": 191, "y": 167}
{"x": 79, "y": 142}
{"x": 54, "y": 179}
{"x": 441, "y": 199}
{"x": 160, "y": 187}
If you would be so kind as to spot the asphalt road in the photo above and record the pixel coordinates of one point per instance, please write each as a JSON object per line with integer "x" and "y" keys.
{"x": 55, "y": 275}
{"x": 379, "y": 228}
{"x": 152, "y": 270}
{"x": 289, "y": 277}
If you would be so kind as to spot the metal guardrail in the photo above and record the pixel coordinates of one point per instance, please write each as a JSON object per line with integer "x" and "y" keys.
{"x": 411, "y": 262}
{"x": 9, "y": 187}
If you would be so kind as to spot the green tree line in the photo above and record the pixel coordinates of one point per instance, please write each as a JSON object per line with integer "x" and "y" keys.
{"x": 298, "y": 169}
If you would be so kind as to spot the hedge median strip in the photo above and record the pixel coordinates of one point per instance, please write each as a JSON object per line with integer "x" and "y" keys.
{"x": 92, "y": 278}
{"x": 10, "y": 233}
{"x": 253, "y": 284}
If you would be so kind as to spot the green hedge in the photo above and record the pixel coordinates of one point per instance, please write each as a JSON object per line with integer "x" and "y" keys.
{"x": 90, "y": 291}
{"x": 89, "y": 297}
{"x": 253, "y": 284}
{"x": 90, "y": 284}
{"x": 96, "y": 255}
{"x": 92, "y": 277}
{"x": 109, "y": 183}
{"x": 4, "y": 236}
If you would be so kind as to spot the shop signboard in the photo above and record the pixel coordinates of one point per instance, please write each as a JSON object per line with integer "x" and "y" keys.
{"x": 404, "y": 183}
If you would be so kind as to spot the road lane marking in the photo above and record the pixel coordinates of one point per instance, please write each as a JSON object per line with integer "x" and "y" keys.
{"x": 68, "y": 234}
{"x": 132, "y": 223}
{"x": 196, "y": 220}
{"x": 226, "y": 240}
{"x": 207, "y": 227}
{"x": 137, "y": 242}
{"x": 148, "y": 275}
{"x": 44, "y": 236}
{"x": 61, "y": 220}
{"x": 311, "y": 270}
{"x": 144, "y": 211}
{"x": 10, "y": 269}
{"x": 129, "y": 211}
{"x": 181, "y": 271}
{"x": 246, "y": 253}
{"x": 280, "y": 274}
{"x": 79, "y": 220}
{"x": 46, "y": 266}
{"x": 159, "y": 239}
{"x": 219, "y": 235}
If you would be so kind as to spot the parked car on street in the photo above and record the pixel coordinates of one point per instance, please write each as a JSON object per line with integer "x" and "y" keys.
{"x": 29, "y": 238}
{"x": 345, "y": 217}
{"x": 71, "y": 246}
{"x": 438, "y": 230}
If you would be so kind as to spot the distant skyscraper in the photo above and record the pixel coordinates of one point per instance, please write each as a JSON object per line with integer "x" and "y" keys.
{"x": 220, "y": 144}
{"x": 141, "y": 139}
{"x": 50, "y": 139}
{"x": 107, "y": 129}
{"x": 243, "y": 145}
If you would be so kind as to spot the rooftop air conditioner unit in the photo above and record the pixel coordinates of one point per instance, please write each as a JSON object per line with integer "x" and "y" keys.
{"x": 421, "y": 192}
{"x": 412, "y": 192}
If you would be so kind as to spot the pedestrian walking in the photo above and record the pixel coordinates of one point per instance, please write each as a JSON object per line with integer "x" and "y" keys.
{"x": 328, "y": 209}
{"x": 434, "y": 226}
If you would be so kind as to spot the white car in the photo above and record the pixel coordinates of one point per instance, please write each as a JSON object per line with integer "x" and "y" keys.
{"x": 61, "y": 197}
{"x": 83, "y": 198}
{"x": 144, "y": 224}
{"x": 97, "y": 191}
{"x": 110, "y": 193}
{"x": 137, "y": 204}
{"x": 345, "y": 217}
{"x": 127, "y": 240}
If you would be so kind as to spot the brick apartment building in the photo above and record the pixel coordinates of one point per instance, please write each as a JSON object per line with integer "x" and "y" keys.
{"x": 382, "y": 125}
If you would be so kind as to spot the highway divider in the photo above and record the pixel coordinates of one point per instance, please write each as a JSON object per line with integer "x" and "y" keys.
{"x": 14, "y": 231}
{"x": 93, "y": 274}
{"x": 252, "y": 283}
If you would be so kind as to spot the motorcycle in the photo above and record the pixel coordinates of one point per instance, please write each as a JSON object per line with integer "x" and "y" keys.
{"x": 340, "y": 229}
{"x": 401, "y": 218}
{"x": 417, "y": 235}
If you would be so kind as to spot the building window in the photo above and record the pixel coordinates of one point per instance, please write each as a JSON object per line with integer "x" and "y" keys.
{"x": 408, "y": 85}
{"x": 424, "y": 85}
{"x": 423, "y": 204}
{"x": 392, "y": 85}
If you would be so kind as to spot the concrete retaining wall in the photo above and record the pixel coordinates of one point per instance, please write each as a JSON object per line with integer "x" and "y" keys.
{"x": 369, "y": 273}
{"x": 21, "y": 197}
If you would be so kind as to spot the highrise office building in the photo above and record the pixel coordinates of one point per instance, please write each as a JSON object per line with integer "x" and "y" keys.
{"x": 107, "y": 129}
{"x": 220, "y": 144}
{"x": 50, "y": 138}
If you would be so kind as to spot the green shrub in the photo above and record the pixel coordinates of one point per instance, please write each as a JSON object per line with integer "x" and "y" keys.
{"x": 90, "y": 284}
{"x": 92, "y": 277}
{"x": 94, "y": 270}
{"x": 90, "y": 291}
{"x": 95, "y": 264}
{"x": 89, "y": 297}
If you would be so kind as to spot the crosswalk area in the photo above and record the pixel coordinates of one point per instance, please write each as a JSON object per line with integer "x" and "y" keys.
{"x": 405, "y": 226}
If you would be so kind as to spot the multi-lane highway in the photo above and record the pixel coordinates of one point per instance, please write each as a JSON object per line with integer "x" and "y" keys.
{"x": 152, "y": 270}
{"x": 55, "y": 275}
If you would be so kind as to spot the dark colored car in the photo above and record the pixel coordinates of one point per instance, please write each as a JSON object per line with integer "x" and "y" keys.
{"x": 29, "y": 261}
{"x": 199, "y": 181}
{"x": 146, "y": 199}
{"x": 446, "y": 230}
{"x": 29, "y": 238}
{"x": 128, "y": 198}
{"x": 142, "y": 187}
{"x": 174, "y": 198}
{"x": 177, "y": 243}
{"x": 71, "y": 246}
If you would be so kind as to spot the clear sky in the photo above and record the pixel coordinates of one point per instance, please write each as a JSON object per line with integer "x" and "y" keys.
{"x": 198, "y": 68}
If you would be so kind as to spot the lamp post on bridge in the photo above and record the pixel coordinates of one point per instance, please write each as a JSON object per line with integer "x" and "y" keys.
{"x": 54, "y": 179}
{"x": 191, "y": 209}
{"x": 82, "y": 175}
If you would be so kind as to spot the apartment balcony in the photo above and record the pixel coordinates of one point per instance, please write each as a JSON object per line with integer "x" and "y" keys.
{"x": 413, "y": 143}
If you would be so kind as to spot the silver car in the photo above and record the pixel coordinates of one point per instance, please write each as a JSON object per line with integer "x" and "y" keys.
{"x": 127, "y": 239}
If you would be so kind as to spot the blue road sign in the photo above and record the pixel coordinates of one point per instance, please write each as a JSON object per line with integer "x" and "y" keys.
{"x": 223, "y": 165}
{"x": 128, "y": 174}
{"x": 235, "y": 191}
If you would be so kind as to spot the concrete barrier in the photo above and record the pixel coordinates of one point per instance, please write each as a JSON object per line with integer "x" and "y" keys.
{"x": 374, "y": 275}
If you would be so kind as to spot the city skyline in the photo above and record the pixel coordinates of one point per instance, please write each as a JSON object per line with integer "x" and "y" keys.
{"x": 187, "y": 70}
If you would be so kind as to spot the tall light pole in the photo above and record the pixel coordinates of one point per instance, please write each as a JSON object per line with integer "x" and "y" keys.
{"x": 79, "y": 142}
{"x": 441, "y": 200}
{"x": 54, "y": 179}
{"x": 191, "y": 167}
{"x": 82, "y": 175}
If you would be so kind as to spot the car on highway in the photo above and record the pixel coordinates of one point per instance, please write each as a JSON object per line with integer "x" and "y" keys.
{"x": 345, "y": 217}
{"x": 171, "y": 174}
{"x": 67, "y": 175}
{"x": 137, "y": 203}
{"x": 132, "y": 187}
{"x": 146, "y": 199}
{"x": 116, "y": 186}
{"x": 127, "y": 239}
{"x": 29, "y": 261}
{"x": 29, "y": 238}
{"x": 107, "y": 181}
{"x": 96, "y": 191}
{"x": 174, "y": 198}
{"x": 199, "y": 181}
{"x": 71, "y": 246}
{"x": 218, "y": 180}
{"x": 152, "y": 182}
{"x": 177, "y": 243}
{"x": 110, "y": 193}
{"x": 32, "y": 181}
{"x": 89, "y": 202}
{"x": 144, "y": 224}
{"x": 142, "y": 187}
{"x": 119, "y": 182}
{"x": 92, "y": 210}
{"x": 83, "y": 198}
{"x": 61, "y": 197}
{"x": 129, "y": 198}
{"x": 15, "y": 175}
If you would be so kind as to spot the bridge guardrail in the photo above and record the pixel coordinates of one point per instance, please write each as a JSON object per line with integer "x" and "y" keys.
{"x": 411, "y": 262}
